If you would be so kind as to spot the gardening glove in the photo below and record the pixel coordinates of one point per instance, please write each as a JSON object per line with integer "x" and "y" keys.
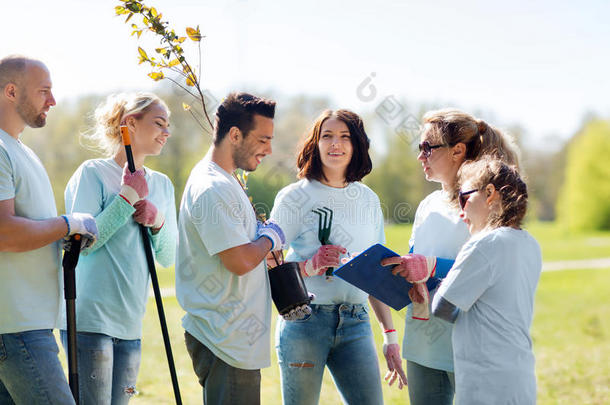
{"x": 416, "y": 269}
{"x": 391, "y": 351}
{"x": 326, "y": 256}
{"x": 148, "y": 215}
{"x": 83, "y": 224}
{"x": 272, "y": 231}
{"x": 133, "y": 186}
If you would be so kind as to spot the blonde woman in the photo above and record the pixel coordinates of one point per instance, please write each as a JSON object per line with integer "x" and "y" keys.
{"x": 112, "y": 278}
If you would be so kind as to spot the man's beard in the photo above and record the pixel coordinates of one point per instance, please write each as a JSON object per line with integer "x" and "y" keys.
{"x": 241, "y": 156}
{"x": 29, "y": 115}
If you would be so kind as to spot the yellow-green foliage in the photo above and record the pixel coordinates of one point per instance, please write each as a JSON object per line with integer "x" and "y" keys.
{"x": 584, "y": 202}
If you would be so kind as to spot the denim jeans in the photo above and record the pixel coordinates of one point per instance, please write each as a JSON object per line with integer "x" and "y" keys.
{"x": 222, "y": 384}
{"x": 428, "y": 386}
{"x": 337, "y": 336}
{"x": 30, "y": 371}
{"x": 107, "y": 367}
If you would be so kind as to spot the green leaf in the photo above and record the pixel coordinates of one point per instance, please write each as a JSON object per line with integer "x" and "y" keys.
{"x": 120, "y": 10}
{"x": 142, "y": 53}
{"x": 193, "y": 34}
{"x": 160, "y": 50}
{"x": 156, "y": 76}
{"x": 153, "y": 11}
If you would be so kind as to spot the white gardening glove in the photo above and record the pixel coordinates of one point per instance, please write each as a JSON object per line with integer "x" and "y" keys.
{"x": 326, "y": 256}
{"x": 148, "y": 215}
{"x": 83, "y": 224}
{"x": 133, "y": 186}
{"x": 272, "y": 231}
{"x": 391, "y": 351}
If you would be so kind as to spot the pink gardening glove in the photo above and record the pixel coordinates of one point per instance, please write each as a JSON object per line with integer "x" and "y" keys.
{"x": 414, "y": 268}
{"x": 133, "y": 186}
{"x": 148, "y": 215}
{"x": 391, "y": 351}
{"x": 326, "y": 256}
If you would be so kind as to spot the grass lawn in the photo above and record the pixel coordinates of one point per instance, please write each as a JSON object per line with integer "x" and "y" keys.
{"x": 571, "y": 332}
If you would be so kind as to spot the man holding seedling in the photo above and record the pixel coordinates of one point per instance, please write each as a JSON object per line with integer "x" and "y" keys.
{"x": 221, "y": 279}
{"x": 30, "y": 230}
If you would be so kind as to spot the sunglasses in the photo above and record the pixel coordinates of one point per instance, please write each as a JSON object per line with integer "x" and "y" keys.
{"x": 426, "y": 148}
{"x": 464, "y": 196}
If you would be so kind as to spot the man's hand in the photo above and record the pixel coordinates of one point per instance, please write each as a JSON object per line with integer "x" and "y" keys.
{"x": 83, "y": 224}
{"x": 391, "y": 351}
{"x": 272, "y": 231}
{"x": 326, "y": 256}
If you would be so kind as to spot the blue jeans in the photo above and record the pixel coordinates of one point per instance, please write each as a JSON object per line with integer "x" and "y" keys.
{"x": 429, "y": 386}
{"x": 337, "y": 336}
{"x": 30, "y": 371}
{"x": 222, "y": 384}
{"x": 107, "y": 367}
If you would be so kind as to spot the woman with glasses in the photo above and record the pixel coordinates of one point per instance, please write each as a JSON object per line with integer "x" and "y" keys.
{"x": 489, "y": 292}
{"x": 450, "y": 138}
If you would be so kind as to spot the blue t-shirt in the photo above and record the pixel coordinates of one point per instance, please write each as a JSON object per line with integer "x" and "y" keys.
{"x": 437, "y": 231}
{"x": 112, "y": 281}
{"x": 29, "y": 281}
{"x": 229, "y": 314}
{"x": 357, "y": 224}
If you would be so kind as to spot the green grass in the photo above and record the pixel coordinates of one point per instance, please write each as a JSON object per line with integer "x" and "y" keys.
{"x": 571, "y": 332}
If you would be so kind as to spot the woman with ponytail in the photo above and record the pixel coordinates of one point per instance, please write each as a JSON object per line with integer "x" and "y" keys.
{"x": 489, "y": 292}
{"x": 450, "y": 138}
{"x": 112, "y": 277}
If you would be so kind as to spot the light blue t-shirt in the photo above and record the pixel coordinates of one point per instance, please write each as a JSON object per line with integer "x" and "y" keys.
{"x": 112, "y": 282}
{"x": 229, "y": 314}
{"x": 437, "y": 231}
{"x": 29, "y": 281}
{"x": 493, "y": 283}
{"x": 357, "y": 225}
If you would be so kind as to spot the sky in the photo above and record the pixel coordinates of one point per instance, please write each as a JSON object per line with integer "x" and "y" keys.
{"x": 542, "y": 66}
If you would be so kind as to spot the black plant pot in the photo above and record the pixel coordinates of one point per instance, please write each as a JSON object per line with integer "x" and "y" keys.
{"x": 287, "y": 287}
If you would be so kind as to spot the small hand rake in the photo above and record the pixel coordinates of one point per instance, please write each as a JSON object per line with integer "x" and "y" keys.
{"x": 325, "y": 222}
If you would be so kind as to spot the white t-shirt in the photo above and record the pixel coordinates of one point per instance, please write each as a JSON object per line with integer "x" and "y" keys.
{"x": 493, "y": 283}
{"x": 437, "y": 231}
{"x": 29, "y": 281}
{"x": 229, "y": 314}
{"x": 357, "y": 224}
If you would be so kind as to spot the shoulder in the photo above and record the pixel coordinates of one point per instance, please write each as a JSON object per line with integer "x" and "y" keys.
{"x": 160, "y": 178}
{"x": 297, "y": 192}
{"x": 362, "y": 190}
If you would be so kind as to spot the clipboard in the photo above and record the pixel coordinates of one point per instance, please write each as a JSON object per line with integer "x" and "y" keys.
{"x": 365, "y": 272}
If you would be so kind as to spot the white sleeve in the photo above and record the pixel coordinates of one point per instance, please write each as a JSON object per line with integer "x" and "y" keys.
{"x": 468, "y": 279}
{"x": 223, "y": 228}
{"x": 7, "y": 181}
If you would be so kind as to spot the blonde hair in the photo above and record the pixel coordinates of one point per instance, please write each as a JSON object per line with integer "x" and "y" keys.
{"x": 105, "y": 136}
{"x": 450, "y": 126}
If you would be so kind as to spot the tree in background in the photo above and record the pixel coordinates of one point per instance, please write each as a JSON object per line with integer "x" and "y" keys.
{"x": 584, "y": 200}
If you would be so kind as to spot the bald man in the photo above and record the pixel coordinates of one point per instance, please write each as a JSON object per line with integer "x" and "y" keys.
{"x": 30, "y": 230}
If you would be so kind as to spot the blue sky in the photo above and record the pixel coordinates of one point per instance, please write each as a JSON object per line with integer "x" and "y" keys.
{"x": 540, "y": 65}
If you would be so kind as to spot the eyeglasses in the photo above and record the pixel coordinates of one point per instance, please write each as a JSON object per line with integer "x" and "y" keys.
{"x": 464, "y": 196}
{"x": 426, "y": 148}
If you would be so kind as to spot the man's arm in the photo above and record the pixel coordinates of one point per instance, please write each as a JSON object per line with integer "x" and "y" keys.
{"x": 242, "y": 259}
{"x": 19, "y": 234}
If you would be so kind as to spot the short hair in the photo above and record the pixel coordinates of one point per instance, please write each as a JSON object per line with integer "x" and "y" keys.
{"x": 508, "y": 183}
{"x": 12, "y": 68}
{"x": 309, "y": 162}
{"x": 238, "y": 110}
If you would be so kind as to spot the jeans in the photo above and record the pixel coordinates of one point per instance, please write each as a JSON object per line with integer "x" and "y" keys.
{"x": 337, "y": 336}
{"x": 428, "y": 386}
{"x": 222, "y": 384}
{"x": 107, "y": 367}
{"x": 30, "y": 371}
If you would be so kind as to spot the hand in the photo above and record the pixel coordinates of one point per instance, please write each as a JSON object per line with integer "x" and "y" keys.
{"x": 133, "y": 186}
{"x": 391, "y": 351}
{"x": 148, "y": 215}
{"x": 420, "y": 297}
{"x": 83, "y": 224}
{"x": 326, "y": 256}
{"x": 414, "y": 268}
{"x": 350, "y": 257}
{"x": 272, "y": 231}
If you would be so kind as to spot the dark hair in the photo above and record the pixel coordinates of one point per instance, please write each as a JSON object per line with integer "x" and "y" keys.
{"x": 238, "y": 110}
{"x": 309, "y": 162}
{"x": 508, "y": 182}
